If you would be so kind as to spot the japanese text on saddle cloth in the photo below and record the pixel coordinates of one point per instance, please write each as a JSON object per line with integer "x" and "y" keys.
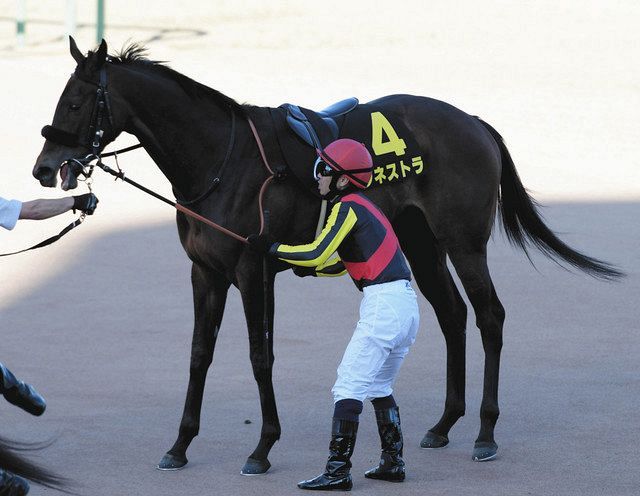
{"x": 395, "y": 153}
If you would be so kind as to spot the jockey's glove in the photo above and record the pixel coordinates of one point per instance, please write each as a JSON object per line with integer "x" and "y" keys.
{"x": 260, "y": 243}
{"x": 86, "y": 203}
{"x": 304, "y": 271}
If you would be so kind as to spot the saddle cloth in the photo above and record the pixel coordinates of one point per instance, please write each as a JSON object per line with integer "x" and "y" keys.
{"x": 379, "y": 125}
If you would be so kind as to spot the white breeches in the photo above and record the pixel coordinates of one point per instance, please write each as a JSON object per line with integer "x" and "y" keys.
{"x": 388, "y": 324}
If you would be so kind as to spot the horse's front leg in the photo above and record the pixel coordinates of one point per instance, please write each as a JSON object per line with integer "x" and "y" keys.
{"x": 209, "y": 297}
{"x": 261, "y": 354}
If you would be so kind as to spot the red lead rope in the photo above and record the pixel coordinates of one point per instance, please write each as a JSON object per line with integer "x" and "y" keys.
{"x": 223, "y": 230}
{"x": 266, "y": 164}
{"x": 208, "y": 222}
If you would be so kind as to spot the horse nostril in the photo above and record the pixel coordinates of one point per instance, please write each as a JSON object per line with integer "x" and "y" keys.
{"x": 42, "y": 173}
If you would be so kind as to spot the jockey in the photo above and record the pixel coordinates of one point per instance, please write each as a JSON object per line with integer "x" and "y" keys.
{"x": 359, "y": 239}
{"x": 13, "y": 210}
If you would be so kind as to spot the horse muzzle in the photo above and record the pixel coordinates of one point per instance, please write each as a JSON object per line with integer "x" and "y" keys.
{"x": 46, "y": 175}
{"x": 69, "y": 170}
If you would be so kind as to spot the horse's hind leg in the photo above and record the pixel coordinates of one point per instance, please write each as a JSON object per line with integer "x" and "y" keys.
{"x": 209, "y": 297}
{"x": 429, "y": 267}
{"x": 471, "y": 266}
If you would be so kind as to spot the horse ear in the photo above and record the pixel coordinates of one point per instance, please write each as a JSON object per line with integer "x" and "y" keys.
{"x": 101, "y": 54}
{"x": 75, "y": 52}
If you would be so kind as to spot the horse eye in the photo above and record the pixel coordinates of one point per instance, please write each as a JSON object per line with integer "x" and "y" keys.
{"x": 74, "y": 106}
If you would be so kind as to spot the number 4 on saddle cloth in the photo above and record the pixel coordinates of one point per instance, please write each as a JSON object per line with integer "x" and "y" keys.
{"x": 300, "y": 131}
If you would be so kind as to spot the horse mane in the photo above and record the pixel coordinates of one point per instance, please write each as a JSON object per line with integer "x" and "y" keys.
{"x": 135, "y": 55}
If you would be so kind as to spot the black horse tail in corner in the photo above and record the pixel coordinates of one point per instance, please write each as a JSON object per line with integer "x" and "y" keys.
{"x": 12, "y": 461}
{"x": 524, "y": 225}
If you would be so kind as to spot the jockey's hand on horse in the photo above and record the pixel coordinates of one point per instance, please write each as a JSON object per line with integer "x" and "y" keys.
{"x": 304, "y": 271}
{"x": 86, "y": 203}
{"x": 260, "y": 243}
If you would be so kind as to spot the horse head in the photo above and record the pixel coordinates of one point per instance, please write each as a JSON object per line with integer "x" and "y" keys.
{"x": 82, "y": 123}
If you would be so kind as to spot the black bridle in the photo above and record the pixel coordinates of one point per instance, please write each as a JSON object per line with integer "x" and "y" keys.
{"x": 102, "y": 104}
{"x": 93, "y": 140}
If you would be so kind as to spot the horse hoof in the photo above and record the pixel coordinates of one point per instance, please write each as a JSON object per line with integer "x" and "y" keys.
{"x": 172, "y": 462}
{"x": 484, "y": 451}
{"x": 255, "y": 467}
{"x": 433, "y": 440}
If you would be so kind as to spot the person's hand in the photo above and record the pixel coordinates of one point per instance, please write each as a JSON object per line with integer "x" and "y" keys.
{"x": 260, "y": 243}
{"x": 304, "y": 271}
{"x": 86, "y": 203}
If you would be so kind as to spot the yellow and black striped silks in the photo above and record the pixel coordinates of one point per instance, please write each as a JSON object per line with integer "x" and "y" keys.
{"x": 331, "y": 268}
{"x": 357, "y": 238}
{"x": 317, "y": 254}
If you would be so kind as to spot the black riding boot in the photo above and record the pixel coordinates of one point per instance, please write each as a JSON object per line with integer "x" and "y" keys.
{"x": 12, "y": 485}
{"x": 391, "y": 466}
{"x": 336, "y": 476}
{"x": 20, "y": 393}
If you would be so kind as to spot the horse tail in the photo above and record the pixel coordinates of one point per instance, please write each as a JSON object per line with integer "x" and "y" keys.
{"x": 524, "y": 225}
{"x": 12, "y": 461}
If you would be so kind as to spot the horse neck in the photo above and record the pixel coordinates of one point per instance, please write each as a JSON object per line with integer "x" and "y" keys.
{"x": 186, "y": 138}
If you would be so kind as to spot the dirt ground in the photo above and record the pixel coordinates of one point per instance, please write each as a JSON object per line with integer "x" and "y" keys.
{"x": 101, "y": 322}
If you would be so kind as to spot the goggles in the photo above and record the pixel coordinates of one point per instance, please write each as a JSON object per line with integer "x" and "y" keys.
{"x": 322, "y": 169}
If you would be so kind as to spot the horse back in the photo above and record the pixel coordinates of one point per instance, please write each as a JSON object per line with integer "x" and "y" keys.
{"x": 430, "y": 155}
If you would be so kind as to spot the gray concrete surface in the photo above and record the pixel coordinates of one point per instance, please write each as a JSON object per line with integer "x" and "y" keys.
{"x": 107, "y": 341}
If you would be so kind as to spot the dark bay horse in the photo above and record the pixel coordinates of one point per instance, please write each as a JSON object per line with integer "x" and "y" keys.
{"x": 446, "y": 205}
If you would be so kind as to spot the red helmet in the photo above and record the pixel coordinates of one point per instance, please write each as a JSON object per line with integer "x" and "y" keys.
{"x": 349, "y": 157}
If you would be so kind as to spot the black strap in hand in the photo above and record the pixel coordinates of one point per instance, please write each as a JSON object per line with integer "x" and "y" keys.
{"x": 50, "y": 240}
